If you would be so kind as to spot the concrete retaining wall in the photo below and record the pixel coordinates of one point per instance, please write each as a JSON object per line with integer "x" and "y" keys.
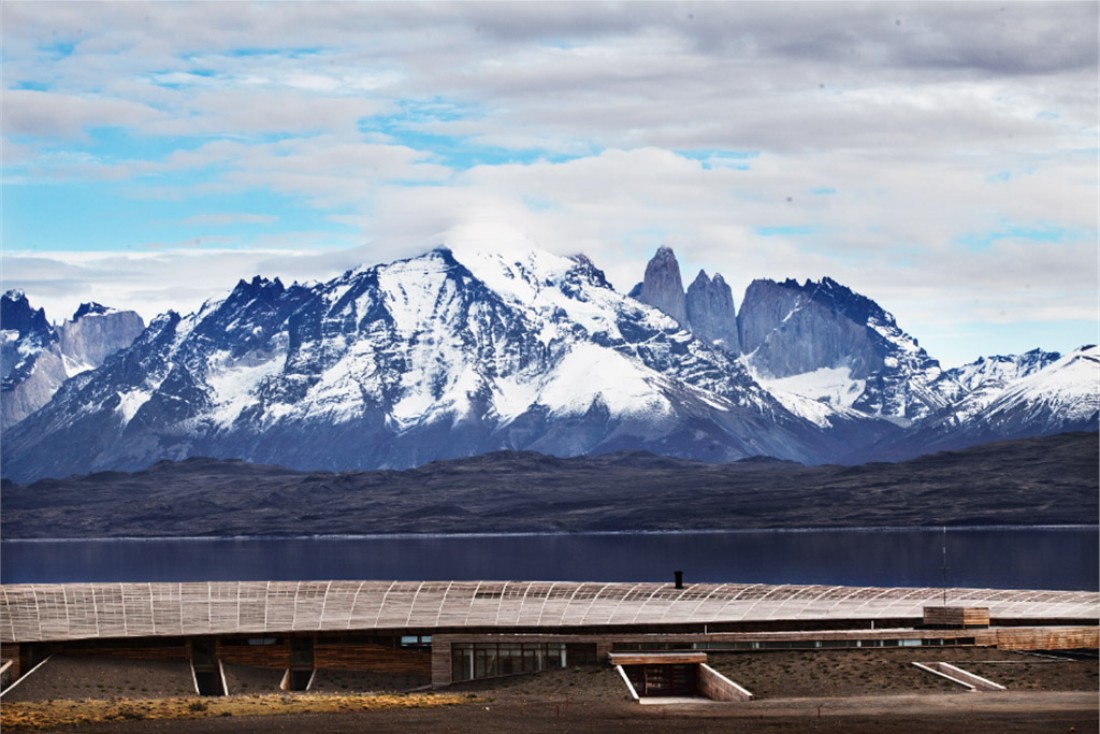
{"x": 964, "y": 678}
{"x": 718, "y": 687}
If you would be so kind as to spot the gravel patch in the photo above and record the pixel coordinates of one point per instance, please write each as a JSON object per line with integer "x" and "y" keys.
{"x": 358, "y": 681}
{"x": 246, "y": 679}
{"x": 63, "y": 677}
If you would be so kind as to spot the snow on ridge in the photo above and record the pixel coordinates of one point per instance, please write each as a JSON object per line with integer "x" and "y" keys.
{"x": 413, "y": 289}
{"x": 75, "y": 367}
{"x": 590, "y": 373}
{"x": 818, "y": 396}
{"x": 234, "y": 381}
{"x": 524, "y": 274}
{"x": 130, "y": 402}
{"x": 1071, "y": 385}
{"x": 833, "y": 385}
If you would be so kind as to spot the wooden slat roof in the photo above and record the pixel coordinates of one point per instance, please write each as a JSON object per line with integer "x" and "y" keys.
{"x": 41, "y": 612}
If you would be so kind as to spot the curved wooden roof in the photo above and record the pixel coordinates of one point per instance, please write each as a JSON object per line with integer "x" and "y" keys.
{"x": 41, "y": 612}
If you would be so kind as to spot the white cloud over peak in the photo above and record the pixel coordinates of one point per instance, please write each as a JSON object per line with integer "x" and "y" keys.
{"x": 940, "y": 157}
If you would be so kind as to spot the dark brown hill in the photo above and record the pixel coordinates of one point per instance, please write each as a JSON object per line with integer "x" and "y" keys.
{"x": 1044, "y": 481}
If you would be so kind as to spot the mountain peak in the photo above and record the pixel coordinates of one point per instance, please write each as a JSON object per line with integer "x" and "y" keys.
{"x": 840, "y": 343}
{"x": 662, "y": 286}
{"x": 710, "y": 312}
{"x": 17, "y": 314}
{"x": 89, "y": 308}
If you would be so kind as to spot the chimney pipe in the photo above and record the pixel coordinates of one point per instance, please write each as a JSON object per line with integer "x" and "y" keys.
{"x": 679, "y": 579}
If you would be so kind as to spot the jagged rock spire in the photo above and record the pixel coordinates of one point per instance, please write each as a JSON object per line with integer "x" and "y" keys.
{"x": 662, "y": 287}
{"x": 710, "y": 311}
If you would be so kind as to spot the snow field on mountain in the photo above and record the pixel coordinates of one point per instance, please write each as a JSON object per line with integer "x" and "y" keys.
{"x": 590, "y": 373}
{"x": 234, "y": 381}
{"x": 131, "y": 402}
{"x": 1068, "y": 389}
{"x": 833, "y": 385}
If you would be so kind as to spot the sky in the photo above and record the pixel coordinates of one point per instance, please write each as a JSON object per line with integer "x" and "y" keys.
{"x": 938, "y": 157}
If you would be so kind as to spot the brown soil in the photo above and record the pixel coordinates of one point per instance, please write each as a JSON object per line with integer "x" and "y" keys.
{"x": 993, "y": 713}
{"x": 103, "y": 678}
{"x": 243, "y": 679}
{"x": 858, "y": 691}
{"x": 827, "y": 673}
{"x": 345, "y": 681}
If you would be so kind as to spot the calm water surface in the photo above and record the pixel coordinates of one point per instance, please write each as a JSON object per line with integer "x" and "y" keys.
{"x": 1022, "y": 558}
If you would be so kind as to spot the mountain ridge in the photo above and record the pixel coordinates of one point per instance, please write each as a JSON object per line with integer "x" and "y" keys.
{"x": 1044, "y": 481}
{"x": 469, "y": 349}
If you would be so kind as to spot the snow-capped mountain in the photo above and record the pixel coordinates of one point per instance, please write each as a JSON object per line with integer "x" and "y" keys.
{"x": 477, "y": 347}
{"x": 1063, "y": 395}
{"x": 453, "y": 353}
{"x": 36, "y": 357}
{"x": 24, "y": 334}
{"x": 1000, "y": 370}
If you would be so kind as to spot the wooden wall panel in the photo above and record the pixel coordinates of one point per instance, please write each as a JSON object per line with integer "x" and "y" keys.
{"x": 373, "y": 658}
{"x": 257, "y": 656}
{"x": 956, "y": 616}
{"x": 1051, "y": 638}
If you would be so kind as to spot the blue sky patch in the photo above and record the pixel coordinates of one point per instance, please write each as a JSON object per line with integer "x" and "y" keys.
{"x": 410, "y": 128}
{"x": 109, "y": 216}
{"x": 711, "y": 158}
{"x": 1040, "y": 232}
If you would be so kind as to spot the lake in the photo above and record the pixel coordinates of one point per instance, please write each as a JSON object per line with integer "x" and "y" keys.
{"x": 1028, "y": 558}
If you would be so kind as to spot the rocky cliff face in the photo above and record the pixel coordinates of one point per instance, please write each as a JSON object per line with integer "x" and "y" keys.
{"x": 94, "y": 333}
{"x": 788, "y": 330}
{"x": 662, "y": 287}
{"x": 25, "y": 333}
{"x": 710, "y": 312}
{"x": 37, "y": 357}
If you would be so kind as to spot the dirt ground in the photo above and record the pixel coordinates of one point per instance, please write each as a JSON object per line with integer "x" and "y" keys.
{"x": 103, "y": 678}
{"x": 815, "y": 674}
{"x": 991, "y": 713}
{"x": 857, "y": 691}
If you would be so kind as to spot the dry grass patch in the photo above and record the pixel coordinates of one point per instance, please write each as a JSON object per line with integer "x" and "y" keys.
{"x": 52, "y": 714}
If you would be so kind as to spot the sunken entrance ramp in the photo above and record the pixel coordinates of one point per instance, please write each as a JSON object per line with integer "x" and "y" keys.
{"x": 679, "y": 677}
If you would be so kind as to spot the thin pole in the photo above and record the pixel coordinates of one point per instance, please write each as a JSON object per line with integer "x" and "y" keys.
{"x": 945, "y": 565}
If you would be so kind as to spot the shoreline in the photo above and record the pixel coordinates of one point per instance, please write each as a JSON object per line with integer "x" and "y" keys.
{"x": 564, "y": 533}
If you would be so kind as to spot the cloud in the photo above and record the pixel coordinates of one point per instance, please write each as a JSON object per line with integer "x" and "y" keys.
{"x": 175, "y": 278}
{"x": 601, "y": 127}
{"x": 34, "y": 113}
{"x": 220, "y": 220}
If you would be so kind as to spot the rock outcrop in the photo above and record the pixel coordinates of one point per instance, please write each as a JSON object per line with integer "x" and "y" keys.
{"x": 788, "y": 329}
{"x": 662, "y": 287}
{"x": 706, "y": 309}
{"x": 38, "y": 357}
{"x": 710, "y": 312}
